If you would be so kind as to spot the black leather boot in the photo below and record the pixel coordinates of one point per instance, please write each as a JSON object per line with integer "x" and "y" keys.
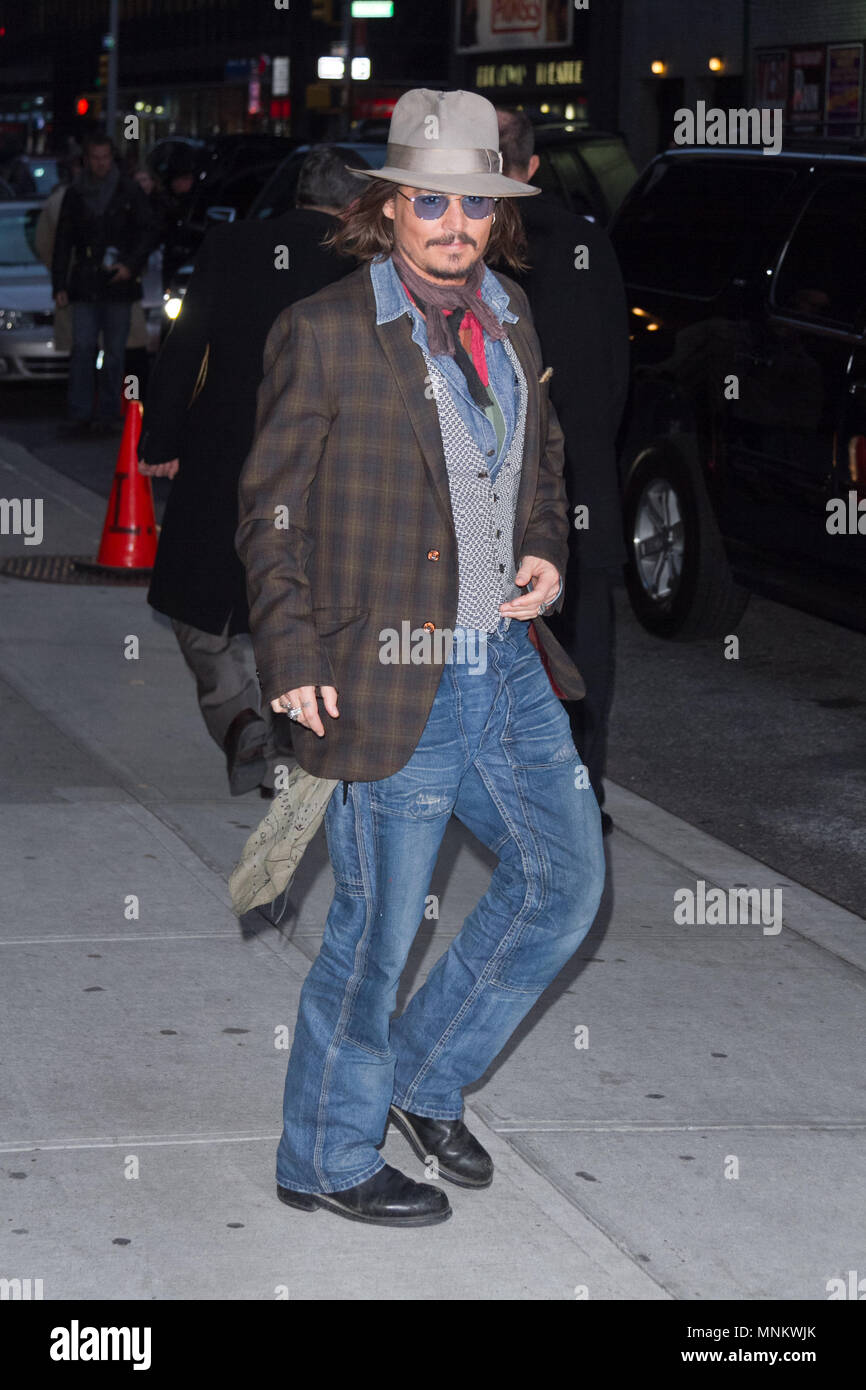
{"x": 389, "y": 1198}
{"x": 459, "y": 1156}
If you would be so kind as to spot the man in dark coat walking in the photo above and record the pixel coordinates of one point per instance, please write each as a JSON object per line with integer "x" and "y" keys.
{"x": 104, "y": 236}
{"x": 245, "y": 274}
{"x": 578, "y": 301}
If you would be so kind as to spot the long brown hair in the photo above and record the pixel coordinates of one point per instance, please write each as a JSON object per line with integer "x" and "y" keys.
{"x": 364, "y": 231}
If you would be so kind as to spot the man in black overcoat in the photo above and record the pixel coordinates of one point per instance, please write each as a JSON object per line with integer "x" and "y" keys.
{"x": 579, "y": 308}
{"x": 197, "y": 428}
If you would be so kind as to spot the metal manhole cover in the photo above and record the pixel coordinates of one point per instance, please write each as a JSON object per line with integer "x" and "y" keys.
{"x": 69, "y": 569}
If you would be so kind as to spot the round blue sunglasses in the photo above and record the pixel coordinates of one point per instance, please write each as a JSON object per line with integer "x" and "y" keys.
{"x": 431, "y": 206}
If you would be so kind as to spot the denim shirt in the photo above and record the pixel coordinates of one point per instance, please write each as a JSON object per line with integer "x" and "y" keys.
{"x": 391, "y": 302}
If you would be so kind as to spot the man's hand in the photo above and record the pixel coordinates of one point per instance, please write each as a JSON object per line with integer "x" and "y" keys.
{"x": 158, "y": 470}
{"x": 305, "y": 696}
{"x": 61, "y": 299}
{"x": 120, "y": 272}
{"x": 545, "y": 583}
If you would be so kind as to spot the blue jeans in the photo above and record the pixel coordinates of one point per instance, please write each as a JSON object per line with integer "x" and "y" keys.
{"x": 496, "y": 751}
{"x": 87, "y": 320}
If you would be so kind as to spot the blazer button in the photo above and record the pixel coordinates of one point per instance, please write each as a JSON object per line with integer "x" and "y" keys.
{"x": 490, "y": 453}
{"x": 429, "y": 627}
{"x": 432, "y": 554}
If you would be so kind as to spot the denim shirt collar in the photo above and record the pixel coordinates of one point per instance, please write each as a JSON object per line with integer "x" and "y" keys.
{"x": 391, "y": 300}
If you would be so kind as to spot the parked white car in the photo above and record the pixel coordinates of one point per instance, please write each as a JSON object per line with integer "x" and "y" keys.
{"x": 27, "y": 350}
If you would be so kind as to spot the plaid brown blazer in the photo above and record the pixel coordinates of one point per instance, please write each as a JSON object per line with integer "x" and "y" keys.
{"x": 346, "y": 526}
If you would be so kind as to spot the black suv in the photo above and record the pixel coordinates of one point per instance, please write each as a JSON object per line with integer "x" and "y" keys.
{"x": 589, "y": 171}
{"x": 744, "y": 455}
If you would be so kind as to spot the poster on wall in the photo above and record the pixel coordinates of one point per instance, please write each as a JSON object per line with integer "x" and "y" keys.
{"x": 771, "y": 78}
{"x": 484, "y": 25}
{"x": 806, "y": 104}
{"x": 844, "y": 108}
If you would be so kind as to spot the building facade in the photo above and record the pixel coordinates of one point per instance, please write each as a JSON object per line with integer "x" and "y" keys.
{"x": 803, "y": 58}
{"x": 203, "y": 67}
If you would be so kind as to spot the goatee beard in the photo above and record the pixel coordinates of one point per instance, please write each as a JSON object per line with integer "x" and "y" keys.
{"x": 436, "y": 271}
{"x": 448, "y": 274}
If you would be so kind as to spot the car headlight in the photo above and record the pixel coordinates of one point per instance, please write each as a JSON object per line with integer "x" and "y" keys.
{"x": 172, "y": 306}
{"x": 16, "y": 318}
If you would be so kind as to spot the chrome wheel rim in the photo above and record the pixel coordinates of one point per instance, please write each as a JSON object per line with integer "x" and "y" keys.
{"x": 659, "y": 541}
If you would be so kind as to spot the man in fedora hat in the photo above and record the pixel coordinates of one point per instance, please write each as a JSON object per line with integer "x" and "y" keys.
{"x": 403, "y": 526}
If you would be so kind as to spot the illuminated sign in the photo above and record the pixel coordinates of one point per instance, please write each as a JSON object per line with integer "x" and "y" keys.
{"x": 568, "y": 73}
{"x": 489, "y": 24}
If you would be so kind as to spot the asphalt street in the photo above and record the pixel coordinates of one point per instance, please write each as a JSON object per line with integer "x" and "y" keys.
{"x": 767, "y": 752}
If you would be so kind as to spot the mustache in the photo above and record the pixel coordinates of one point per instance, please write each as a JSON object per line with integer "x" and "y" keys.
{"x": 458, "y": 236}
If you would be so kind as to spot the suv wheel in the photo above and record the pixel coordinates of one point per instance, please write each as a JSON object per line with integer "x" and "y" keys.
{"x": 677, "y": 574}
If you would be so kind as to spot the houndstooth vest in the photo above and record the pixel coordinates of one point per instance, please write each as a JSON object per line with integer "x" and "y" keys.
{"x": 483, "y": 510}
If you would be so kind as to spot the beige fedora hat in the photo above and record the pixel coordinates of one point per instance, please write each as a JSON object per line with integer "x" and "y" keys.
{"x": 447, "y": 142}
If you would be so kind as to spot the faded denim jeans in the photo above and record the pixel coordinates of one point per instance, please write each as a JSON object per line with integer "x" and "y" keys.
{"x": 496, "y": 751}
{"x": 112, "y": 318}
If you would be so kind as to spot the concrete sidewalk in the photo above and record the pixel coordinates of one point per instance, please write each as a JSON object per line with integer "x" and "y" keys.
{"x": 706, "y": 1143}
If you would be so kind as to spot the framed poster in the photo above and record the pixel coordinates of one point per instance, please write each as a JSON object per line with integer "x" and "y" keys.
{"x": 844, "y": 102}
{"x": 771, "y": 78}
{"x": 485, "y": 25}
{"x": 806, "y": 103}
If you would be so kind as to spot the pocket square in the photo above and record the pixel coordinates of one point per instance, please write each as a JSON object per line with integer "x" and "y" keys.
{"x": 545, "y": 375}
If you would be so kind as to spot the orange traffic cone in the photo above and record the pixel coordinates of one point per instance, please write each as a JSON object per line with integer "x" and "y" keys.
{"x": 129, "y": 534}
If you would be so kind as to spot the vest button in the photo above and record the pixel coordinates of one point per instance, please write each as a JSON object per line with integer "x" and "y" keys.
{"x": 429, "y": 627}
{"x": 432, "y": 554}
{"x": 501, "y": 569}
{"x": 495, "y": 498}
{"x": 499, "y": 533}
{"x": 483, "y": 475}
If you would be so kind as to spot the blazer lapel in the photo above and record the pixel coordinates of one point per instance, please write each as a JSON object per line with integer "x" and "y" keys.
{"x": 410, "y": 373}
